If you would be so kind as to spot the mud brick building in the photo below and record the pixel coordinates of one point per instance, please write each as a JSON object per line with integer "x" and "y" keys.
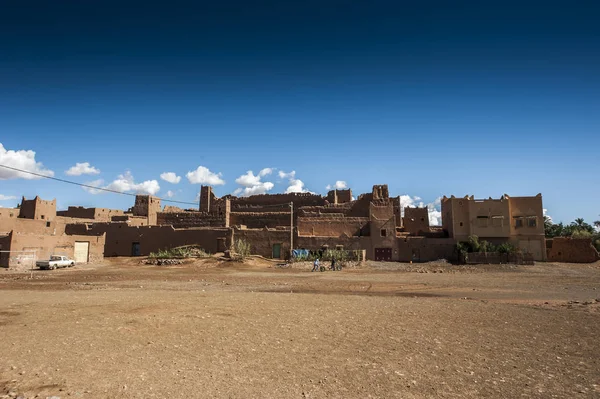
{"x": 373, "y": 222}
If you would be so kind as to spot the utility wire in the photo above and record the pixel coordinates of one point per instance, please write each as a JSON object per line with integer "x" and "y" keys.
{"x": 88, "y": 186}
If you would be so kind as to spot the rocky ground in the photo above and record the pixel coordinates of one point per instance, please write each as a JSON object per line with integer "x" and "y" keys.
{"x": 210, "y": 328}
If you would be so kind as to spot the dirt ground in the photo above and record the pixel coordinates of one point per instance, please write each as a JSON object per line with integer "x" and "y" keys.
{"x": 256, "y": 330}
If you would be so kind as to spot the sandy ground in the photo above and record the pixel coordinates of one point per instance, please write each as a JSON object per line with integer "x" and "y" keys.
{"x": 256, "y": 330}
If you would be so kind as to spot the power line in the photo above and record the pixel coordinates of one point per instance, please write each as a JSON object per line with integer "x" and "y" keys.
{"x": 88, "y": 186}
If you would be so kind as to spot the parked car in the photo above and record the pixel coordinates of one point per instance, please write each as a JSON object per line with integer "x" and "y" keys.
{"x": 54, "y": 262}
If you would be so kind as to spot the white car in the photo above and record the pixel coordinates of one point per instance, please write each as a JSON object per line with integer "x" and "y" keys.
{"x": 54, "y": 262}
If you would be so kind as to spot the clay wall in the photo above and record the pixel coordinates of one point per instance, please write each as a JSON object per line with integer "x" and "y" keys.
{"x": 47, "y": 245}
{"x": 97, "y": 214}
{"x": 489, "y": 218}
{"x": 8, "y": 213}
{"x": 121, "y": 238}
{"x": 261, "y": 241}
{"x": 416, "y": 220}
{"x": 299, "y": 200}
{"x": 189, "y": 219}
{"x": 348, "y": 243}
{"x": 383, "y": 211}
{"x": 530, "y": 210}
{"x": 37, "y": 209}
{"x": 147, "y": 205}
{"x": 572, "y": 250}
{"x": 259, "y": 220}
{"x": 421, "y": 249}
{"x": 332, "y": 226}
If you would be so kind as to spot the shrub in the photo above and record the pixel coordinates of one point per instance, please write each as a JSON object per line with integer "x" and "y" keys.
{"x": 241, "y": 248}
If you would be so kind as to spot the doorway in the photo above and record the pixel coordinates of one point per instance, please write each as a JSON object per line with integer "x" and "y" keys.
{"x": 276, "y": 251}
{"x": 135, "y": 249}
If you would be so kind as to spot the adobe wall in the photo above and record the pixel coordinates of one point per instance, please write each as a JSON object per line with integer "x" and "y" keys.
{"x": 339, "y": 196}
{"x": 348, "y": 243}
{"x": 416, "y": 220}
{"x": 189, "y": 219}
{"x": 262, "y": 240}
{"x": 422, "y": 249}
{"x": 299, "y": 200}
{"x": 147, "y": 205}
{"x": 527, "y": 206}
{"x": 37, "y": 209}
{"x": 47, "y": 245}
{"x": 312, "y": 211}
{"x": 495, "y": 217}
{"x": 98, "y": 214}
{"x": 259, "y": 220}
{"x": 120, "y": 237}
{"x": 8, "y": 213}
{"x": 332, "y": 226}
{"x": 572, "y": 250}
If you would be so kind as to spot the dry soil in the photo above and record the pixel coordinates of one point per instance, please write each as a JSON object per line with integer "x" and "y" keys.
{"x": 211, "y": 328}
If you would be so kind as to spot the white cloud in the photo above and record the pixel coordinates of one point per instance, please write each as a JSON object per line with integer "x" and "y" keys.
{"x": 295, "y": 185}
{"x": 252, "y": 185}
{"x": 126, "y": 183}
{"x": 21, "y": 159}
{"x": 265, "y": 171}
{"x": 202, "y": 175}
{"x": 284, "y": 175}
{"x": 83, "y": 168}
{"x": 95, "y": 183}
{"x": 339, "y": 185}
{"x": 170, "y": 177}
{"x": 170, "y": 194}
{"x": 7, "y": 197}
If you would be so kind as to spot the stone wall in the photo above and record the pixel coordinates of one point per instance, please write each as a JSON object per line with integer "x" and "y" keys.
{"x": 571, "y": 250}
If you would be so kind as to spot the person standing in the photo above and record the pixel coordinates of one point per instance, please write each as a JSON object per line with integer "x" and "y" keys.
{"x": 315, "y": 265}
{"x": 332, "y": 263}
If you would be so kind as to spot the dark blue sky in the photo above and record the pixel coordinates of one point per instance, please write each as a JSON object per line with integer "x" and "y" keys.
{"x": 433, "y": 99}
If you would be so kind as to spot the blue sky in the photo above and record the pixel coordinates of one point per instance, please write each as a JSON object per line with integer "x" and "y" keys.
{"x": 468, "y": 98}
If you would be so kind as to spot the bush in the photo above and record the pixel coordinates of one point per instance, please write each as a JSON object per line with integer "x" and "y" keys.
{"x": 581, "y": 234}
{"x": 179, "y": 252}
{"x": 241, "y": 248}
{"x": 506, "y": 248}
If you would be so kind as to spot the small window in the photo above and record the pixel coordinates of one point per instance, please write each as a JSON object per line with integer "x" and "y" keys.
{"x": 518, "y": 222}
{"x": 339, "y": 247}
{"x": 531, "y": 221}
{"x": 497, "y": 221}
{"x": 383, "y": 232}
{"x": 461, "y": 224}
{"x": 43, "y": 217}
{"x": 482, "y": 221}
{"x": 47, "y": 224}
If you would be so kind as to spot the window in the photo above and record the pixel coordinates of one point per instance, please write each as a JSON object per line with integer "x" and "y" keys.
{"x": 339, "y": 247}
{"x": 460, "y": 224}
{"x": 43, "y": 217}
{"x": 482, "y": 221}
{"x": 518, "y": 222}
{"x": 383, "y": 232}
{"x": 497, "y": 221}
{"x": 532, "y": 221}
{"x": 47, "y": 224}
